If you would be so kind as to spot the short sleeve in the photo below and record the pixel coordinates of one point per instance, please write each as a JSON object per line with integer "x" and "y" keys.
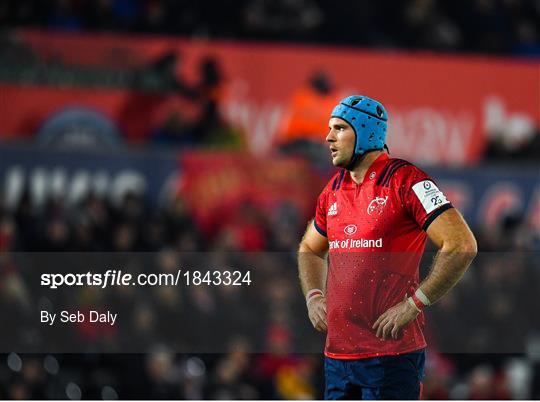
{"x": 421, "y": 197}
{"x": 320, "y": 214}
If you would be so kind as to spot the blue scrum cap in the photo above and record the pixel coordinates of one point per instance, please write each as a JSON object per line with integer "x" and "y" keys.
{"x": 368, "y": 118}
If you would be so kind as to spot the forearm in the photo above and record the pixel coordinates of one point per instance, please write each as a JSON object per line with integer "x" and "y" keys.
{"x": 448, "y": 267}
{"x": 312, "y": 269}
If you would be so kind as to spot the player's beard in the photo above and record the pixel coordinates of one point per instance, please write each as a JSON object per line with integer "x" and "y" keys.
{"x": 354, "y": 161}
{"x": 348, "y": 163}
{"x": 342, "y": 161}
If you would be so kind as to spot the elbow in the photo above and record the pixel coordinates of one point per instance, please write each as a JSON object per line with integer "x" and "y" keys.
{"x": 470, "y": 246}
{"x": 468, "y": 251}
{"x": 303, "y": 248}
{"x": 466, "y": 247}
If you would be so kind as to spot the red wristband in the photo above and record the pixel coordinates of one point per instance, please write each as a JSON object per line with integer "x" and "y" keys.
{"x": 417, "y": 302}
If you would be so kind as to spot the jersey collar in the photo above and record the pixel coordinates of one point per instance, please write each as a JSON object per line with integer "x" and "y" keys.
{"x": 372, "y": 173}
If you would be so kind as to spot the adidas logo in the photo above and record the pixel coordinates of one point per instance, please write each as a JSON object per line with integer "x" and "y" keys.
{"x": 333, "y": 209}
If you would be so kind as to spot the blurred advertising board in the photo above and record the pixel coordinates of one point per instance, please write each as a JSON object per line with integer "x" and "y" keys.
{"x": 486, "y": 195}
{"x": 72, "y": 175}
{"x": 216, "y": 185}
{"x": 441, "y": 107}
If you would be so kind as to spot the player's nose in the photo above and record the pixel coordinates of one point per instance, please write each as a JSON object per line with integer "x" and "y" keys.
{"x": 331, "y": 137}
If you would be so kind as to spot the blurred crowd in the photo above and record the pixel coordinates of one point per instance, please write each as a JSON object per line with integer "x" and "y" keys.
{"x": 268, "y": 317}
{"x": 481, "y": 26}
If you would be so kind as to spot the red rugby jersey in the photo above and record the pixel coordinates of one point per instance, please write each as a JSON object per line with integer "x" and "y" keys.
{"x": 376, "y": 235}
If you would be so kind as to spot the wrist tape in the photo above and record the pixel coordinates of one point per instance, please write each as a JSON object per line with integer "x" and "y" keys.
{"x": 421, "y": 296}
{"x": 313, "y": 294}
{"x": 419, "y": 300}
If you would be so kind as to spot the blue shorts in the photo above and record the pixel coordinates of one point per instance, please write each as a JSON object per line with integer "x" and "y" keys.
{"x": 386, "y": 377}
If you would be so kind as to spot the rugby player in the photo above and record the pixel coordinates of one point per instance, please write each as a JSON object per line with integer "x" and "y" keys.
{"x": 359, "y": 259}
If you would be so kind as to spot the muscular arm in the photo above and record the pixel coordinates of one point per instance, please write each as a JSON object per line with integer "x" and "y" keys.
{"x": 457, "y": 248}
{"x": 312, "y": 260}
{"x": 312, "y": 269}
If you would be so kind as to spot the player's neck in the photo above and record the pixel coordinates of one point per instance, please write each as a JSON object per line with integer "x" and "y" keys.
{"x": 358, "y": 173}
